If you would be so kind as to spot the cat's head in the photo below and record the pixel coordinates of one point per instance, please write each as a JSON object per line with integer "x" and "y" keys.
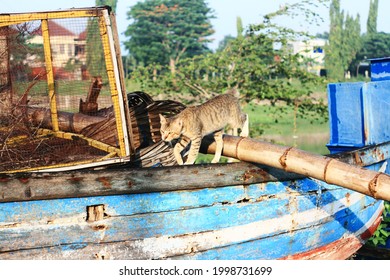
{"x": 171, "y": 128}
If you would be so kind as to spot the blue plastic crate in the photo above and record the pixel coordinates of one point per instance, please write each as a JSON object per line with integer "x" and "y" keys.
{"x": 359, "y": 114}
{"x": 380, "y": 69}
{"x": 376, "y": 100}
{"x": 345, "y": 116}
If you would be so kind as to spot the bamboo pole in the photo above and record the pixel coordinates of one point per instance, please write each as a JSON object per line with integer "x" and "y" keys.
{"x": 329, "y": 170}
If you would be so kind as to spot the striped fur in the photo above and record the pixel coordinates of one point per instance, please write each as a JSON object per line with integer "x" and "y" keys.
{"x": 193, "y": 123}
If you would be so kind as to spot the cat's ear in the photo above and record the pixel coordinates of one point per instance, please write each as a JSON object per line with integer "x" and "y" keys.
{"x": 163, "y": 120}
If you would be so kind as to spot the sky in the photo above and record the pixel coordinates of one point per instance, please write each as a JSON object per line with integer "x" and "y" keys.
{"x": 226, "y": 12}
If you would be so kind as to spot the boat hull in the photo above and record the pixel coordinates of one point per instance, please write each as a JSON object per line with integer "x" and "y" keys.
{"x": 293, "y": 219}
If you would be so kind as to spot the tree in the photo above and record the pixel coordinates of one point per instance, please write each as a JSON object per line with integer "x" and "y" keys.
{"x": 250, "y": 63}
{"x": 228, "y": 38}
{"x": 352, "y": 40}
{"x": 372, "y": 17}
{"x": 333, "y": 50}
{"x": 94, "y": 49}
{"x": 324, "y": 35}
{"x": 111, "y": 3}
{"x": 344, "y": 41}
{"x": 240, "y": 28}
{"x": 373, "y": 46}
{"x": 165, "y": 31}
{"x": 225, "y": 42}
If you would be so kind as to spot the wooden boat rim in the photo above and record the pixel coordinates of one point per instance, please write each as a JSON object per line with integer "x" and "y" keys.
{"x": 122, "y": 179}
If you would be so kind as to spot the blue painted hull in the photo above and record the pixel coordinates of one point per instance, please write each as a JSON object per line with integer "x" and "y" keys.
{"x": 302, "y": 218}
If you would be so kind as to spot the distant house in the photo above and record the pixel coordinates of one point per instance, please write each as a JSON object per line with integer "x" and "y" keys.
{"x": 312, "y": 49}
{"x": 67, "y": 49}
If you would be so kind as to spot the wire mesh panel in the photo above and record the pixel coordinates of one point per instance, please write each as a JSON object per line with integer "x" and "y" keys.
{"x": 60, "y": 95}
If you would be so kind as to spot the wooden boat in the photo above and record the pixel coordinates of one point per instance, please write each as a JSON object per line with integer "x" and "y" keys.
{"x": 109, "y": 209}
{"x": 219, "y": 211}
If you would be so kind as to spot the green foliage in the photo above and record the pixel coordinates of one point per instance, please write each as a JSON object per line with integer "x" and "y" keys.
{"x": 20, "y": 46}
{"x": 373, "y": 46}
{"x": 240, "y": 28}
{"x": 164, "y": 31}
{"x": 352, "y": 41}
{"x": 94, "y": 49}
{"x": 381, "y": 234}
{"x": 344, "y": 41}
{"x": 259, "y": 63}
{"x": 111, "y": 3}
{"x": 372, "y": 17}
{"x": 95, "y": 56}
{"x": 225, "y": 42}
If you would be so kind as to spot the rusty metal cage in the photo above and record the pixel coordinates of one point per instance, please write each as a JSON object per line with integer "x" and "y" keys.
{"x": 62, "y": 100}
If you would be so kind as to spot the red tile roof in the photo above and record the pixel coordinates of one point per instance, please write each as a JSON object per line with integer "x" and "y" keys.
{"x": 56, "y": 29}
{"x": 83, "y": 35}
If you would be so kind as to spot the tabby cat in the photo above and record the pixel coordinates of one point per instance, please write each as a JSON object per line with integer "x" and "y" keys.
{"x": 193, "y": 123}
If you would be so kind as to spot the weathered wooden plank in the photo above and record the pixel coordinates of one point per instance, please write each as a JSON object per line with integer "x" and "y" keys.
{"x": 293, "y": 242}
{"x": 130, "y": 250}
{"x": 365, "y": 156}
{"x": 225, "y": 243}
{"x": 49, "y": 210}
{"x": 118, "y": 226}
{"x": 35, "y": 186}
{"x": 126, "y": 180}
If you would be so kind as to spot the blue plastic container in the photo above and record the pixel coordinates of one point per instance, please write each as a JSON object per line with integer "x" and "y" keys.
{"x": 376, "y": 105}
{"x": 359, "y": 113}
{"x": 380, "y": 69}
{"x": 345, "y": 116}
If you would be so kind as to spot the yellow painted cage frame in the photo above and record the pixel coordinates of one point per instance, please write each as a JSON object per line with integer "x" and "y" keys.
{"x": 111, "y": 49}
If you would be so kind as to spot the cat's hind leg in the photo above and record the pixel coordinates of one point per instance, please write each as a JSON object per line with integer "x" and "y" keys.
{"x": 218, "y": 137}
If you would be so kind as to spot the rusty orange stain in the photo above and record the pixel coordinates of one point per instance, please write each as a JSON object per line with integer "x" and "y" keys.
{"x": 347, "y": 196}
{"x": 99, "y": 227}
{"x": 105, "y": 181}
{"x": 24, "y": 180}
{"x": 75, "y": 179}
{"x": 4, "y": 179}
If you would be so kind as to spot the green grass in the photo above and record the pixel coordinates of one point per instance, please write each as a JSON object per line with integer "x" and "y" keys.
{"x": 277, "y": 124}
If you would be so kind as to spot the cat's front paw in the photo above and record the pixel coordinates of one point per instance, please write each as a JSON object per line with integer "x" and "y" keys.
{"x": 244, "y": 133}
{"x": 245, "y": 127}
{"x": 215, "y": 160}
